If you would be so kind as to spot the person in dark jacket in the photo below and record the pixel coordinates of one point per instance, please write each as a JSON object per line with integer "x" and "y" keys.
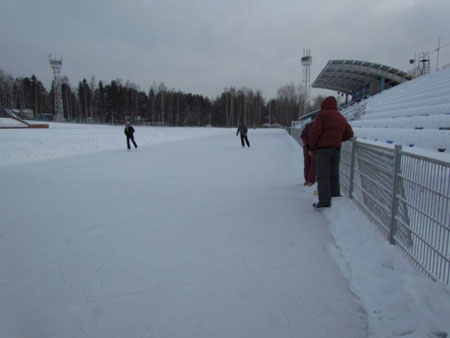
{"x": 309, "y": 164}
{"x": 242, "y": 129}
{"x": 328, "y": 131}
{"x": 129, "y": 132}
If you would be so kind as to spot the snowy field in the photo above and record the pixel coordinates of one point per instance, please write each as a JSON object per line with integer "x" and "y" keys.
{"x": 191, "y": 236}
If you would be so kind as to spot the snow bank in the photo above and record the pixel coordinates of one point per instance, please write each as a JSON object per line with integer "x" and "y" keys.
{"x": 398, "y": 299}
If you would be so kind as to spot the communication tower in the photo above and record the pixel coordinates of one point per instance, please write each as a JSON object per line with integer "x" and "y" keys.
{"x": 59, "y": 109}
{"x": 306, "y": 78}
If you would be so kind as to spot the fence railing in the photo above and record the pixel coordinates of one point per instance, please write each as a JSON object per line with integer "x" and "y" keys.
{"x": 406, "y": 196}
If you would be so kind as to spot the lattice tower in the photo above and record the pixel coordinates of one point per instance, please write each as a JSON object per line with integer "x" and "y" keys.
{"x": 59, "y": 109}
{"x": 424, "y": 63}
{"x": 306, "y": 77}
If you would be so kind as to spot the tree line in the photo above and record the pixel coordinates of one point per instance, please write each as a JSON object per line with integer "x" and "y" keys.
{"x": 118, "y": 101}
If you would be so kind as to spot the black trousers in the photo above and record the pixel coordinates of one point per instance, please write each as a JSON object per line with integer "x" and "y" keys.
{"x": 244, "y": 138}
{"x": 132, "y": 140}
{"x": 327, "y": 170}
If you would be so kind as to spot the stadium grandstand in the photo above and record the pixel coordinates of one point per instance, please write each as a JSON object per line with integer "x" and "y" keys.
{"x": 389, "y": 105}
{"x": 360, "y": 79}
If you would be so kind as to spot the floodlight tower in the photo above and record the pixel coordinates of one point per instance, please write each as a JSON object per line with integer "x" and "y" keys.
{"x": 306, "y": 78}
{"x": 424, "y": 63}
{"x": 59, "y": 109}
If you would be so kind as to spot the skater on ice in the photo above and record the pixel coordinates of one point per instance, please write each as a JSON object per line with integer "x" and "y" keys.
{"x": 242, "y": 129}
{"x": 129, "y": 132}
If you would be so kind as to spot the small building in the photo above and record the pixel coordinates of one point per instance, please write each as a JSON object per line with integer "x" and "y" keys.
{"x": 45, "y": 117}
{"x": 26, "y": 114}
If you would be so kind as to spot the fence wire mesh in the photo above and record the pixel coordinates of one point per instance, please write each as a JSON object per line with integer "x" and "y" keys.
{"x": 426, "y": 184}
{"x": 409, "y": 202}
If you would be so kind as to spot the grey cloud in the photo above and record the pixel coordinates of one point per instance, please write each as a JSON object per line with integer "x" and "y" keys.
{"x": 204, "y": 46}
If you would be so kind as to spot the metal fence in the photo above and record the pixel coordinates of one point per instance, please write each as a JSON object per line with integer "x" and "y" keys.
{"x": 406, "y": 196}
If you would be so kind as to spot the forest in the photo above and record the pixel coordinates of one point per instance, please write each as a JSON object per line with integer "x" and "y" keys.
{"x": 118, "y": 101}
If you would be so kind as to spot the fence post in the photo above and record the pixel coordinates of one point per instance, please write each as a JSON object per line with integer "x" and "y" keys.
{"x": 352, "y": 168}
{"x": 394, "y": 202}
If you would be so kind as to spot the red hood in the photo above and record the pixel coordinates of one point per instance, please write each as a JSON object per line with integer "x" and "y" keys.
{"x": 329, "y": 103}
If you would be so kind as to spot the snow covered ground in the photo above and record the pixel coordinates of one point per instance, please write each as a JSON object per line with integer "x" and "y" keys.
{"x": 65, "y": 139}
{"x": 191, "y": 236}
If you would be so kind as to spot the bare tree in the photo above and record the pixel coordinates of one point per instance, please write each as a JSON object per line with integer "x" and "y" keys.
{"x": 6, "y": 89}
{"x": 162, "y": 90}
{"x": 288, "y": 98}
{"x": 92, "y": 87}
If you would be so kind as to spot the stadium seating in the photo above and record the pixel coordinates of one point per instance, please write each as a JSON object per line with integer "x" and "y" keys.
{"x": 414, "y": 114}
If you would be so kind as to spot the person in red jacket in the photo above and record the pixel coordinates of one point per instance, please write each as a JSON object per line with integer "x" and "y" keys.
{"x": 328, "y": 131}
{"x": 309, "y": 164}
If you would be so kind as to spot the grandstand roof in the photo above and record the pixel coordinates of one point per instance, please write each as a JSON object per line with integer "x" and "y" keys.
{"x": 346, "y": 76}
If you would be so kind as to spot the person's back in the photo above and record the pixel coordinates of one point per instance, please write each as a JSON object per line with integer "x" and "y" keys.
{"x": 242, "y": 129}
{"x": 129, "y": 132}
{"x": 330, "y": 128}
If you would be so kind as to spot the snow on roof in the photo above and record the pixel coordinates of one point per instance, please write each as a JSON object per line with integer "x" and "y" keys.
{"x": 347, "y": 76}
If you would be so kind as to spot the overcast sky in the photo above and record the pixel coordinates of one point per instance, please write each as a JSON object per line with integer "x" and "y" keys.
{"x": 204, "y": 46}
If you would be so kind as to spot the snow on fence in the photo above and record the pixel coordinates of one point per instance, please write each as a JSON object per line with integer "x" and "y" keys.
{"x": 406, "y": 196}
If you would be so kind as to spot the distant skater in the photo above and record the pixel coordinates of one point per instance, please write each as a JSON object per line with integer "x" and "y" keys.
{"x": 129, "y": 132}
{"x": 242, "y": 129}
